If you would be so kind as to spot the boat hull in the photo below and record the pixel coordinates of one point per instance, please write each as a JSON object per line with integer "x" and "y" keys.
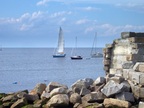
{"x": 76, "y": 57}
{"x": 59, "y": 55}
{"x": 97, "y": 55}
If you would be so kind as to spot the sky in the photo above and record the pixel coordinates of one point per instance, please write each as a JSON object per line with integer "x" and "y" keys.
{"x": 35, "y": 23}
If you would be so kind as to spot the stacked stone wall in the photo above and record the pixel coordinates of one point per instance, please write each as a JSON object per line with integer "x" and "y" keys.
{"x": 125, "y": 57}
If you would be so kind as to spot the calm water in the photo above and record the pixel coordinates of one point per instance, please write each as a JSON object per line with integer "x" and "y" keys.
{"x": 28, "y": 66}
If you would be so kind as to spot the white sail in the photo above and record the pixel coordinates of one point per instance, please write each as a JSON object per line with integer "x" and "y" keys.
{"x": 60, "y": 47}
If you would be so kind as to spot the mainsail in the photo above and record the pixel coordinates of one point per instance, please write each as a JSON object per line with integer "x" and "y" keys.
{"x": 60, "y": 47}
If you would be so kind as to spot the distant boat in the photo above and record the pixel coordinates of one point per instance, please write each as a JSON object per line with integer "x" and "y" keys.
{"x": 75, "y": 56}
{"x": 94, "y": 53}
{"x": 60, "y": 48}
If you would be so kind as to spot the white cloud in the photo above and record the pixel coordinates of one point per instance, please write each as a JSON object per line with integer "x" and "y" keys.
{"x": 132, "y": 6}
{"x": 89, "y": 8}
{"x": 58, "y": 14}
{"x": 42, "y": 2}
{"x": 25, "y": 27}
{"x": 82, "y": 21}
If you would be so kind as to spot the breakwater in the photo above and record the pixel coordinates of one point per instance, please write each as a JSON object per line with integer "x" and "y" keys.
{"x": 122, "y": 87}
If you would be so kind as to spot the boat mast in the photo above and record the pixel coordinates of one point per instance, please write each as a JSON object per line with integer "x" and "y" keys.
{"x": 94, "y": 45}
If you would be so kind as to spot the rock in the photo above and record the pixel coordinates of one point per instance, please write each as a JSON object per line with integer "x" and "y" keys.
{"x": 40, "y": 103}
{"x": 45, "y": 95}
{"x": 126, "y": 96}
{"x": 125, "y": 86}
{"x": 31, "y": 98}
{"x": 117, "y": 79}
{"x": 139, "y": 67}
{"x": 59, "y": 90}
{"x": 88, "y": 81}
{"x": 19, "y": 103}
{"x": 111, "y": 88}
{"x": 128, "y": 65}
{"x": 99, "y": 81}
{"x": 75, "y": 98}
{"x": 53, "y": 85}
{"x": 137, "y": 90}
{"x": 79, "y": 84}
{"x": 11, "y": 97}
{"x": 93, "y": 97}
{"x": 141, "y": 105}
{"x": 110, "y": 102}
{"x": 84, "y": 91}
{"x": 7, "y": 104}
{"x": 59, "y": 100}
{"x": 38, "y": 89}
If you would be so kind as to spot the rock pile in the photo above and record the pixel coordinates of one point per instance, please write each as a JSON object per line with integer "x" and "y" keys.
{"x": 122, "y": 87}
{"x": 111, "y": 91}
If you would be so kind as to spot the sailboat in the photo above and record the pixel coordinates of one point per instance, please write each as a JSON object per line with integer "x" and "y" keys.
{"x": 75, "y": 56}
{"x": 60, "y": 48}
{"x": 94, "y": 53}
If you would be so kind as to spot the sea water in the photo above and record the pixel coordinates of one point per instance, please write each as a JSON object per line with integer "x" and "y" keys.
{"x": 23, "y": 68}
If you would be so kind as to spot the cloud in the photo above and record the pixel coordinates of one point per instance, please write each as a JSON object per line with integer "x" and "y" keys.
{"x": 89, "y": 8}
{"x": 58, "y": 14}
{"x": 82, "y": 21}
{"x": 132, "y": 6}
{"x": 42, "y": 2}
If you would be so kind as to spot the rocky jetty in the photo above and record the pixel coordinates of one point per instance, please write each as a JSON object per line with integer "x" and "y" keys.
{"x": 122, "y": 87}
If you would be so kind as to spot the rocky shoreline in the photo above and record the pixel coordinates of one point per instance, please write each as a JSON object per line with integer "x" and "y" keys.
{"x": 122, "y": 87}
{"x": 112, "y": 91}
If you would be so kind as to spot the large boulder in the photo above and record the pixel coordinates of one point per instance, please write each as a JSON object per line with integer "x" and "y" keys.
{"x": 59, "y": 100}
{"x": 19, "y": 103}
{"x": 39, "y": 88}
{"x": 126, "y": 96}
{"x": 111, "y": 88}
{"x": 59, "y": 90}
{"x": 53, "y": 85}
{"x": 75, "y": 98}
{"x": 99, "y": 81}
{"x": 114, "y": 103}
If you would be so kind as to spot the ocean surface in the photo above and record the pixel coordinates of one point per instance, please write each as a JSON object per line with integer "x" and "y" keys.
{"x": 23, "y": 68}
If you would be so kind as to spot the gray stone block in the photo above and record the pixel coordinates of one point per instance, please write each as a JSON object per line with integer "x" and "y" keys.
{"x": 127, "y": 65}
{"x": 137, "y": 90}
{"x": 141, "y": 105}
{"x": 139, "y": 66}
{"x": 111, "y": 88}
{"x": 126, "y": 96}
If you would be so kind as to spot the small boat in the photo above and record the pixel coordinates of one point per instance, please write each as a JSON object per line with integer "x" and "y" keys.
{"x": 94, "y": 53}
{"x": 60, "y": 48}
{"x": 75, "y": 56}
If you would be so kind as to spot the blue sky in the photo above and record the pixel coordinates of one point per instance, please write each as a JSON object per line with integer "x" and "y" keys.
{"x": 35, "y": 23}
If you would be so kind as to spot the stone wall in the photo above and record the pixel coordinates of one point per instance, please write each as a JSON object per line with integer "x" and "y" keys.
{"x": 123, "y": 53}
{"x": 125, "y": 57}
